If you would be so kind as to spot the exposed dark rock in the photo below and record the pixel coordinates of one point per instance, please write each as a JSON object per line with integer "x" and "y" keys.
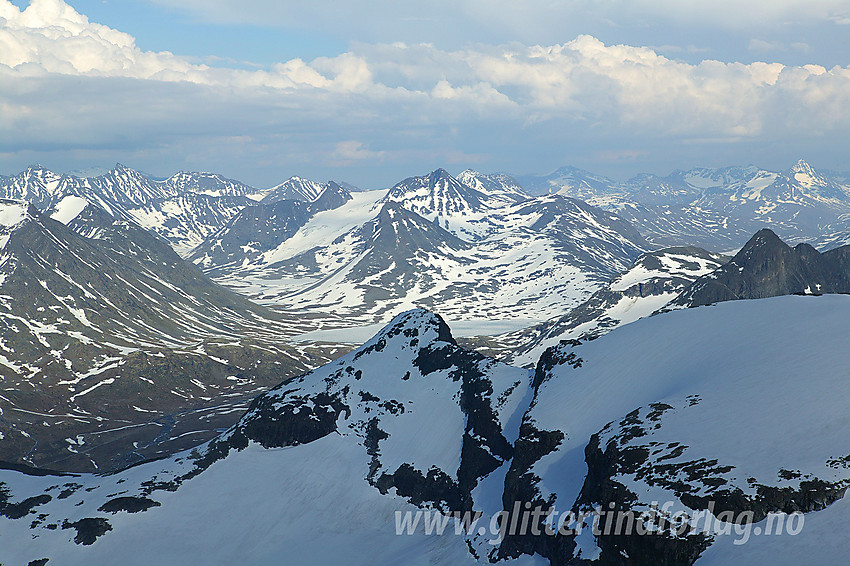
{"x": 30, "y": 471}
{"x": 263, "y": 227}
{"x": 128, "y": 504}
{"x": 334, "y": 196}
{"x": 299, "y": 420}
{"x": 521, "y": 488}
{"x": 373, "y": 436}
{"x": 88, "y": 530}
{"x": 69, "y": 490}
{"x": 600, "y": 489}
{"x": 812, "y": 495}
{"x": 21, "y": 509}
{"x": 435, "y": 487}
{"x": 768, "y": 267}
{"x": 556, "y": 356}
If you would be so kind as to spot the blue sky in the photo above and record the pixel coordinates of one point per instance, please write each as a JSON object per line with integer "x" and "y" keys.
{"x": 165, "y": 28}
{"x": 371, "y": 92}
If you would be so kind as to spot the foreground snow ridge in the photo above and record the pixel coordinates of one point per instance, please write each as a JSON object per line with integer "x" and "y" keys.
{"x": 737, "y": 408}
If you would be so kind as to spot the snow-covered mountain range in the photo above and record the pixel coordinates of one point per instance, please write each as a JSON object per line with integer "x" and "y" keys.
{"x": 717, "y": 209}
{"x": 322, "y": 469}
{"x": 486, "y": 253}
{"x": 623, "y": 387}
{"x": 262, "y": 228}
{"x": 182, "y": 209}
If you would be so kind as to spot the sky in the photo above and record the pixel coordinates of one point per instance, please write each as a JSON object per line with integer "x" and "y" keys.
{"x": 373, "y": 92}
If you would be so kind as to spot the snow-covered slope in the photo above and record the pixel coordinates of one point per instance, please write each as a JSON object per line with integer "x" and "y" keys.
{"x": 471, "y": 257}
{"x": 655, "y": 279}
{"x": 671, "y": 225}
{"x": 499, "y": 187}
{"x": 317, "y": 469}
{"x": 261, "y": 228}
{"x": 102, "y": 323}
{"x": 188, "y": 219}
{"x": 35, "y": 184}
{"x": 742, "y": 404}
{"x": 12, "y": 215}
{"x": 446, "y": 201}
{"x": 68, "y": 209}
{"x": 313, "y": 473}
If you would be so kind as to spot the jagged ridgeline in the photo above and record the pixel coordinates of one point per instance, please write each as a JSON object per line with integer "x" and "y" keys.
{"x": 476, "y": 247}
{"x": 717, "y": 209}
{"x": 183, "y": 209}
{"x": 113, "y": 347}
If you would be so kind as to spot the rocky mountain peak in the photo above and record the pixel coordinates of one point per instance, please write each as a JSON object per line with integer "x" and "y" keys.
{"x": 762, "y": 240}
{"x": 122, "y": 170}
{"x": 439, "y": 175}
{"x": 768, "y": 267}
{"x": 802, "y": 166}
{"x": 333, "y": 196}
{"x": 804, "y": 174}
{"x": 426, "y": 327}
{"x": 438, "y": 191}
{"x": 296, "y": 188}
{"x": 37, "y": 169}
{"x": 397, "y": 228}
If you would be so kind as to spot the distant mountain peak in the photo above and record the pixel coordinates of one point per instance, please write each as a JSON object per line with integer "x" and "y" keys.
{"x": 764, "y": 237}
{"x": 332, "y": 196}
{"x": 803, "y": 173}
{"x": 440, "y": 173}
{"x": 36, "y": 167}
{"x": 802, "y": 166}
{"x": 294, "y": 188}
{"x": 499, "y": 187}
{"x": 437, "y": 194}
{"x": 572, "y": 169}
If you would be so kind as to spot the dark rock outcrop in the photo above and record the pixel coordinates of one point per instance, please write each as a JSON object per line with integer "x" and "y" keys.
{"x": 768, "y": 267}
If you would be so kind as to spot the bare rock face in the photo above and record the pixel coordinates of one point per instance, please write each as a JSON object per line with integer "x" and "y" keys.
{"x": 768, "y": 267}
{"x": 359, "y": 395}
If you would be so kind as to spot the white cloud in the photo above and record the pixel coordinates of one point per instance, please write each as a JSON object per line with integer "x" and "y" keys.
{"x": 76, "y": 84}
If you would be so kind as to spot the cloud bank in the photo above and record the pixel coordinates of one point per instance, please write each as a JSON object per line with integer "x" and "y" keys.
{"x": 74, "y": 86}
